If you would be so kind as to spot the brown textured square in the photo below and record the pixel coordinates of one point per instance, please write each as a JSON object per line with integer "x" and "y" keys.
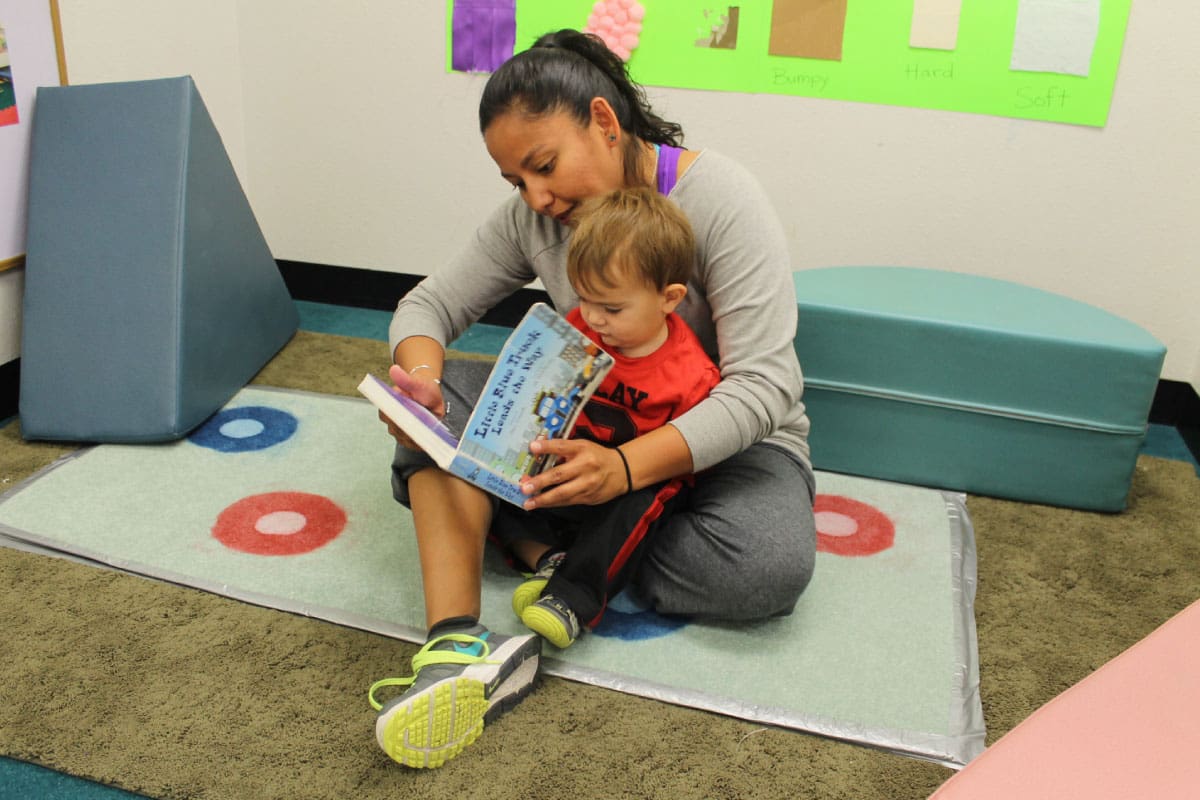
{"x": 808, "y": 28}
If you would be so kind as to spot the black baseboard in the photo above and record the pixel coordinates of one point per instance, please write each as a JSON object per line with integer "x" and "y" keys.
{"x": 10, "y": 388}
{"x": 368, "y": 288}
{"x": 1175, "y": 402}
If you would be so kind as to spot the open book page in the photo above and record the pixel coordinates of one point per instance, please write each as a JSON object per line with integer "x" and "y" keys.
{"x": 543, "y": 376}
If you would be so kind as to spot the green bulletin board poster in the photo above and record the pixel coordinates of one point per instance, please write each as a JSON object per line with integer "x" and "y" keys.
{"x": 1052, "y": 60}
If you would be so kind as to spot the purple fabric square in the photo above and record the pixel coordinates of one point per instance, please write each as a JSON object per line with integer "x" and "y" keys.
{"x": 484, "y": 34}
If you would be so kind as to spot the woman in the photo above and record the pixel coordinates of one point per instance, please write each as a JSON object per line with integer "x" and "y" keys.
{"x": 564, "y": 122}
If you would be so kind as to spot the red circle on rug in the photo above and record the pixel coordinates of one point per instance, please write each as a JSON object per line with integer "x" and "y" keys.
{"x": 852, "y": 528}
{"x": 302, "y": 522}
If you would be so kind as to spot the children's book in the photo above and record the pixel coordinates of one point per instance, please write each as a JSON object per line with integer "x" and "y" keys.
{"x": 543, "y": 376}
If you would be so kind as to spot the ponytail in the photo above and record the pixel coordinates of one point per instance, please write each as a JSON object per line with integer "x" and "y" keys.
{"x": 564, "y": 71}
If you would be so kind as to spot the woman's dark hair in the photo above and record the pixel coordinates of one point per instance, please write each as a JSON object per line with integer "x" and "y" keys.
{"x": 564, "y": 71}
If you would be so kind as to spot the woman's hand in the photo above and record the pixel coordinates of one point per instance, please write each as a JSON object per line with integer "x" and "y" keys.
{"x": 586, "y": 474}
{"x": 425, "y": 391}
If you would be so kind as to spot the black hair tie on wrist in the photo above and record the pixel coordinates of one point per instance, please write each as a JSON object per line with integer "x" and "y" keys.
{"x": 628, "y": 477}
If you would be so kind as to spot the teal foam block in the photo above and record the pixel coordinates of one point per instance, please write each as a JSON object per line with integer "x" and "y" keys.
{"x": 973, "y": 384}
{"x": 151, "y": 295}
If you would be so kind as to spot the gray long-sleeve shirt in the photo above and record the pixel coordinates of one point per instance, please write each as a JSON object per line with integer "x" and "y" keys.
{"x": 741, "y": 302}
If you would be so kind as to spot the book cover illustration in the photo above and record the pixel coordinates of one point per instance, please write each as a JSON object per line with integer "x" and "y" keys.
{"x": 543, "y": 376}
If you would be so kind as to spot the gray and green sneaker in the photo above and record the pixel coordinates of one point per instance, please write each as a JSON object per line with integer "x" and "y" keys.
{"x": 553, "y": 619}
{"x": 460, "y": 682}
{"x": 531, "y": 589}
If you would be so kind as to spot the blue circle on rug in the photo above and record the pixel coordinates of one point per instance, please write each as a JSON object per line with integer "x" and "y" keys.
{"x": 629, "y": 619}
{"x": 245, "y": 429}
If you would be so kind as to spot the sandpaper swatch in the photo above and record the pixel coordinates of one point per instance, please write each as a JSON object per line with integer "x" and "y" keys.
{"x": 808, "y": 28}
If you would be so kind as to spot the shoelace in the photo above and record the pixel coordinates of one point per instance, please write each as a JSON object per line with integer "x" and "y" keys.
{"x": 558, "y": 605}
{"x": 427, "y": 656}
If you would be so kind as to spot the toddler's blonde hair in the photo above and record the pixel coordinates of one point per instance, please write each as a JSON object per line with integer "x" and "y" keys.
{"x": 634, "y": 229}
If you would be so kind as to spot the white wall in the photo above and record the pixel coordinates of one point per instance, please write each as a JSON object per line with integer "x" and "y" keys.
{"x": 358, "y": 149}
{"x": 126, "y": 40}
{"x": 363, "y": 151}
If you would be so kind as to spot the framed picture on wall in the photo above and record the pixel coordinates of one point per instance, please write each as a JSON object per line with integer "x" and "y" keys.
{"x": 30, "y": 56}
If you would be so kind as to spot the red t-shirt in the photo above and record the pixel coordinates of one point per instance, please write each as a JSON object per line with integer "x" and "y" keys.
{"x": 641, "y": 394}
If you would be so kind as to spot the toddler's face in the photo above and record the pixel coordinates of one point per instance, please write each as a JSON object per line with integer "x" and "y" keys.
{"x": 630, "y": 316}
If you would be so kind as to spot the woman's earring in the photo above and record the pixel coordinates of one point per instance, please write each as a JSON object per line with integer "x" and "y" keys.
{"x": 612, "y": 137}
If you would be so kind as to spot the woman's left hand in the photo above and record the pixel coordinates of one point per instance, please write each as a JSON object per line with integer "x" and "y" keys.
{"x": 586, "y": 474}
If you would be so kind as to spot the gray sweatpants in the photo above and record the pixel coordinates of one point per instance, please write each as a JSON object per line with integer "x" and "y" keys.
{"x": 743, "y": 547}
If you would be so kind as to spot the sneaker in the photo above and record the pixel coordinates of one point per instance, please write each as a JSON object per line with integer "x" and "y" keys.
{"x": 528, "y": 592}
{"x": 460, "y": 682}
{"x": 553, "y": 619}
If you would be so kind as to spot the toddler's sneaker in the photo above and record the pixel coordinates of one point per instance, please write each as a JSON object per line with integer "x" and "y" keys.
{"x": 460, "y": 682}
{"x": 553, "y": 619}
{"x": 528, "y": 592}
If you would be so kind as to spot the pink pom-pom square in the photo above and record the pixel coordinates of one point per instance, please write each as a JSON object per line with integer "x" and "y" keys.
{"x": 618, "y": 23}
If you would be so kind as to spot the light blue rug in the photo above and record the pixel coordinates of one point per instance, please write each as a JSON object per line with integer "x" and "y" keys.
{"x": 283, "y": 500}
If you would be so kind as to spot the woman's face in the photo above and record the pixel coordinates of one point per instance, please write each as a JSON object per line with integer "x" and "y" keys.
{"x": 555, "y": 162}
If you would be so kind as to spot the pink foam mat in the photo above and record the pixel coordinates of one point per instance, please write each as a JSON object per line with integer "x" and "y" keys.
{"x": 1130, "y": 729}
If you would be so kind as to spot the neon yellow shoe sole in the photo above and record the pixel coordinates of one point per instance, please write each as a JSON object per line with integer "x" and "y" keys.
{"x": 452, "y": 695}
{"x": 549, "y": 625}
{"x": 436, "y": 726}
{"x": 527, "y": 594}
